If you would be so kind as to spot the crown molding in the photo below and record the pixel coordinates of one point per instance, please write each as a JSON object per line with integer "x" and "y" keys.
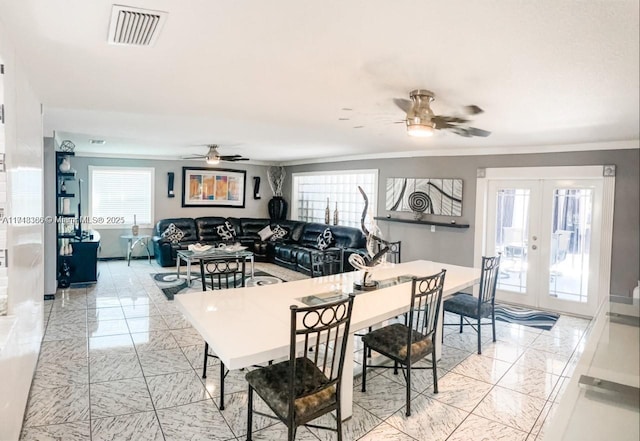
{"x": 519, "y": 150}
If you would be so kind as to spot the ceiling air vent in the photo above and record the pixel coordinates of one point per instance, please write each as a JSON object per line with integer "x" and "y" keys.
{"x": 135, "y": 26}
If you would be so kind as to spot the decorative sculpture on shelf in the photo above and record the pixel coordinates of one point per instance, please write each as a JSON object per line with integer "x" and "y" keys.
{"x": 377, "y": 248}
{"x": 67, "y": 146}
{"x": 419, "y": 201}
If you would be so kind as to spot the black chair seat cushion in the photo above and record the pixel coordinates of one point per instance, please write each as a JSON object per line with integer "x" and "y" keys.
{"x": 272, "y": 384}
{"x": 391, "y": 341}
{"x": 467, "y": 305}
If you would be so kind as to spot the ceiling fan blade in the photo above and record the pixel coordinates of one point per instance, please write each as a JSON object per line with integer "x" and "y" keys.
{"x": 233, "y": 158}
{"x": 443, "y": 119}
{"x": 194, "y": 157}
{"x": 403, "y": 104}
{"x": 461, "y": 131}
{"x": 468, "y": 132}
{"x": 474, "y": 131}
{"x": 472, "y": 109}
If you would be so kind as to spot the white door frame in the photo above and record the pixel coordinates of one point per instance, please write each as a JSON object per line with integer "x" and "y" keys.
{"x": 563, "y": 172}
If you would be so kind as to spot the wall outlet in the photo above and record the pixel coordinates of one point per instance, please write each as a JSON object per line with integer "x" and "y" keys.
{"x": 433, "y": 228}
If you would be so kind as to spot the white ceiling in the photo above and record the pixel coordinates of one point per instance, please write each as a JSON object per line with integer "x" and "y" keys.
{"x": 275, "y": 76}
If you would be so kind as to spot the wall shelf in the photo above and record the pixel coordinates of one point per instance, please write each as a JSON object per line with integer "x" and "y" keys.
{"x": 66, "y": 195}
{"x": 421, "y": 222}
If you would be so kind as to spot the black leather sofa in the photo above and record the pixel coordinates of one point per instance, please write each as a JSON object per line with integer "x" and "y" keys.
{"x": 297, "y": 250}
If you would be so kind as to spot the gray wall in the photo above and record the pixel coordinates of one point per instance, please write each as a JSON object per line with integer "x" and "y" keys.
{"x": 455, "y": 246}
{"x": 165, "y": 207}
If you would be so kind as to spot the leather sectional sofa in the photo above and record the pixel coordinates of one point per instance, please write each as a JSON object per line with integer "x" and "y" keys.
{"x": 297, "y": 250}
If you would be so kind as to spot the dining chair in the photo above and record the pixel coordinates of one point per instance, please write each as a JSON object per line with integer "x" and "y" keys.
{"x": 307, "y": 385}
{"x": 472, "y": 309}
{"x": 394, "y": 252}
{"x": 224, "y": 274}
{"x": 406, "y": 344}
{"x": 393, "y": 256}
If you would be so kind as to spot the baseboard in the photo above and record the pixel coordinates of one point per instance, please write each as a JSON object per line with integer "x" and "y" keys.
{"x": 106, "y": 259}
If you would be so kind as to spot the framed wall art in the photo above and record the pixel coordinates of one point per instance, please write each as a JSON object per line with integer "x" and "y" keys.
{"x": 213, "y": 187}
{"x": 441, "y": 197}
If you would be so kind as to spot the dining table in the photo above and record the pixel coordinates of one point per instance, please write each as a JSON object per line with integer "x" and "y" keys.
{"x": 250, "y": 326}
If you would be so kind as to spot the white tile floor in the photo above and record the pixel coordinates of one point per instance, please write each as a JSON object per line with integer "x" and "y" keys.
{"x": 118, "y": 362}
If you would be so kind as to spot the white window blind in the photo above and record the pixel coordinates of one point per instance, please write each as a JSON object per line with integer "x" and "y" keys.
{"x": 121, "y": 192}
{"x": 311, "y": 190}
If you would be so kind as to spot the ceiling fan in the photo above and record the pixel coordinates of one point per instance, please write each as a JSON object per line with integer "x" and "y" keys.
{"x": 421, "y": 121}
{"x": 213, "y": 157}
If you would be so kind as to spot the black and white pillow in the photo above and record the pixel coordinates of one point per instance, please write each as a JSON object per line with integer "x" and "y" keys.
{"x": 226, "y": 231}
{"x": 278, "y": 233}
{"x": 173, "y": 233}
{"x": 325, "y": 239}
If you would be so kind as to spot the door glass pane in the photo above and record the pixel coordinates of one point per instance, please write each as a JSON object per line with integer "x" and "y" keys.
{"x": 512, "y": 214}
{"x": 570, "y": 243}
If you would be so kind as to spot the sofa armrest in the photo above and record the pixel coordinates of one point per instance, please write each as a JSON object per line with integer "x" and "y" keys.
{"x": 162, "y": 251}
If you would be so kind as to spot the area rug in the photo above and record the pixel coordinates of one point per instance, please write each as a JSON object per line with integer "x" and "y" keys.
{"x": 171, "y": 284}
{"x": 527, "y": 317}
{"x": 265, "y": 274}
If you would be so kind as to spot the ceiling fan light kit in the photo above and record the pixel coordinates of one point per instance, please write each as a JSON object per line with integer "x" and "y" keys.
{"x": 422, "y": 122}
{"x": 420, "y": 130}
{"x": 419, "y": 116}
{"x": 213, "y": 158}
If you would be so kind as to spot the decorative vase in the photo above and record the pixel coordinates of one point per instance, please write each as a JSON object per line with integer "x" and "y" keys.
{"x": 327, "y": 214}
{"x": 335, "y": 215}
{"x": 63, "y": 188}
{"x": 66, "y": 206}
{"x": 65, "y": 165}
{"x": 277, "y": 208}
{"x": 135, "y": 229}
{"x": 69, "y": 250}
{"x": 64, "y": 276}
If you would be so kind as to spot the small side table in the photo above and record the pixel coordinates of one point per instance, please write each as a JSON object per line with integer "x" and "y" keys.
{"x": 133, "y": 241}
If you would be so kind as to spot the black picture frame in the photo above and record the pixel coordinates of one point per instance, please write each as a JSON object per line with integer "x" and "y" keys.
{"x": 213, "y": 187}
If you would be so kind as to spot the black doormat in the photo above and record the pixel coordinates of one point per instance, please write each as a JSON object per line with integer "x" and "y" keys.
{"x": 527, "y": 317}
{"x": 171, "y": 284}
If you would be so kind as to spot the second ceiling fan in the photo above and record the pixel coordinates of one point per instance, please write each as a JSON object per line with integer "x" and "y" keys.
{"x": 213, "y": 157}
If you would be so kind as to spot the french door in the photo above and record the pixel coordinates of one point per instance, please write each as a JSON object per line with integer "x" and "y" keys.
{"x": 549, "y": 233}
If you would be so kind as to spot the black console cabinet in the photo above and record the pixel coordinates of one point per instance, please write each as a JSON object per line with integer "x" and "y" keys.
{"x": 84, "y": 260}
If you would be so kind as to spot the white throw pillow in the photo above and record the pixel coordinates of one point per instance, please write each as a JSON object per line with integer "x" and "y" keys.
{"x": 265, "y": 233}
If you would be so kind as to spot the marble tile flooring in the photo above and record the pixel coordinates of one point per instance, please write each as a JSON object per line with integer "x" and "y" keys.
{"x": 118, "y": 362}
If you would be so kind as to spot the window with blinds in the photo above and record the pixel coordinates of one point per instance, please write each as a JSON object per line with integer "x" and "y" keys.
{"x": 121, "y": 192}
{"x": 312, "y": 190}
